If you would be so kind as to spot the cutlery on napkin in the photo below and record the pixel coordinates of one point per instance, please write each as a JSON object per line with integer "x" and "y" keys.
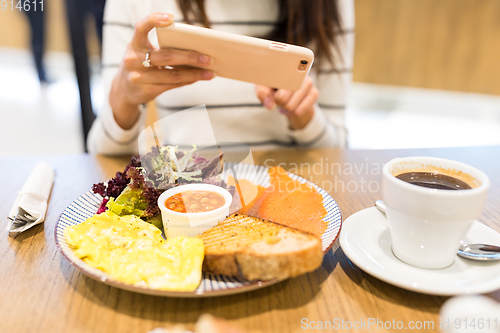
{"x": 31, "y": 203}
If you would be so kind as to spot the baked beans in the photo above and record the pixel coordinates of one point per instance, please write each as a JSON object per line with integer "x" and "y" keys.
{"x": 195, "y": 201}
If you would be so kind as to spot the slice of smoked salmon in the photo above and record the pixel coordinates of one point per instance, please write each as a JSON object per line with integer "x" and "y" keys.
{"x": 293, "y": 204}
{"x": 247, "y": 193}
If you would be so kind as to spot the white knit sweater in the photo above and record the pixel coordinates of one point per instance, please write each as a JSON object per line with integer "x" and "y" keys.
{"x": 235, "y": 112}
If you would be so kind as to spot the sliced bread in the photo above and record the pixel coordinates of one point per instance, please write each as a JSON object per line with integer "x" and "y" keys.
{"x": 255, "y": 249}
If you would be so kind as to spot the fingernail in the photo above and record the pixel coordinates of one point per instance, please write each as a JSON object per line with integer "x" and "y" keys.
{"x": 285, "y": 112}
{"x": 164, "y": 18}
{"x": 269, "y": 103}
{"x": 207, "y": 75}
{"x": 204, "y": 59}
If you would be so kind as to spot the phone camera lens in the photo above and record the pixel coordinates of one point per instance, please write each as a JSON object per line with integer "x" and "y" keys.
{"x": 303, "y": 62}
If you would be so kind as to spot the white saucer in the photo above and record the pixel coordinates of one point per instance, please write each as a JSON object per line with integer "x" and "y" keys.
{"x": 366, "y": 241}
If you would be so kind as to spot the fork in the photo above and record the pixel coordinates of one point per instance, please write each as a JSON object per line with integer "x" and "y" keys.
{"x": 20, "y": 220}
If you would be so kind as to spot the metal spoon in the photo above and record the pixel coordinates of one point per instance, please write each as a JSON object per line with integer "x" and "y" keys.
{"x": 481, "y": 252}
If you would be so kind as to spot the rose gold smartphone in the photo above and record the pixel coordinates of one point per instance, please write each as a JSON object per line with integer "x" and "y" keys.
{"x": 255, "y": 60}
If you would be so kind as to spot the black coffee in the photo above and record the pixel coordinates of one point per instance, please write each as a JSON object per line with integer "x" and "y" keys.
{"x": 433, "y": 180}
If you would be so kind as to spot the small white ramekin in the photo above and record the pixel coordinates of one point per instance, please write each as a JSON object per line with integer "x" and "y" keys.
{"x": 192, "y": 224}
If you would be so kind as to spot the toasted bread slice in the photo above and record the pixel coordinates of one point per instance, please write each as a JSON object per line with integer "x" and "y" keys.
{"x": 255, "y": 249}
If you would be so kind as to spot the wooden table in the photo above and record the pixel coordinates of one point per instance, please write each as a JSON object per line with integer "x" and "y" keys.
{"x": 41, "y": 292}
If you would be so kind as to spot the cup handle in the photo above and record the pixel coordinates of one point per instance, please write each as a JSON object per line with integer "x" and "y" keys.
{"x": 380, "y": 205}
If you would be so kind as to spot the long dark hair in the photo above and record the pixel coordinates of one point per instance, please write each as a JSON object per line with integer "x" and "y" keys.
{"x": 300, "y": 22}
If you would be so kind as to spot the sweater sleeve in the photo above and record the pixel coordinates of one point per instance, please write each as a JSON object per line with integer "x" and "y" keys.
{"x": 106, "y": 136}
{"x": 327, "y": 127}
{"x": 317, "y": 133}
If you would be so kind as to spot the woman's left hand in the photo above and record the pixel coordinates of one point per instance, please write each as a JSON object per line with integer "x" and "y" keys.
{"x": 297, "y": 106}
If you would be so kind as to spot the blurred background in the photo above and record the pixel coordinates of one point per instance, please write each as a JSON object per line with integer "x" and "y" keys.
{"x": 426, "y": 74}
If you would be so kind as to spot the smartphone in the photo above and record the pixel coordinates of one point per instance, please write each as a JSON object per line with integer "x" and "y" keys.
{"x": 250, "y": 59}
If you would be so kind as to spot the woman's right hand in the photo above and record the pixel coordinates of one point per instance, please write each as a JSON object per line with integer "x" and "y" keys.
{"x": 135, "y": 84}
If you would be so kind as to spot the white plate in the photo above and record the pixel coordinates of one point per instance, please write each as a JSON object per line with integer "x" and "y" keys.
{"x": 366, "y": 241}
{"x": 211, "y": 285}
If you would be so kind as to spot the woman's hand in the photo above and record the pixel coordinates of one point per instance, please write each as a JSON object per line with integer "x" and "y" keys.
{"x": 297, "y": 106}
{"x": 135, "y": 84}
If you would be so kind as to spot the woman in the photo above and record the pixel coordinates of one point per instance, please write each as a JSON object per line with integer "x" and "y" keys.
{"x": 239, "y": 111}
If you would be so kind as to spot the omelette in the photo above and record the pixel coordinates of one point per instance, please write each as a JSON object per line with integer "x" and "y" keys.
{"x": 133, "y": 251}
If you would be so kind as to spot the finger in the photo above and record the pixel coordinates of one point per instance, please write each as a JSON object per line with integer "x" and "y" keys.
{"x": 262, "y": 92}
{"x": 157, "y": 89}
{"x": 266, "y": 96}
{"x": 282, "y": 96}
{"x": 174, "y": 57}
{"x": 177, "y": 75}
{"x": 143, "y": 27}
{"x": 308, "y": 102}
{"x": 299, "y": 95}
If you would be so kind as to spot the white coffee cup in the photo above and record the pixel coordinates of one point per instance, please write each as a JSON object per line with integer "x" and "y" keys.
{"x": 428, "y": 224}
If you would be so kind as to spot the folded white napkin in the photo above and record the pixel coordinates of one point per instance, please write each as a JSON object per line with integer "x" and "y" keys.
{"x": 33, "y": 197}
